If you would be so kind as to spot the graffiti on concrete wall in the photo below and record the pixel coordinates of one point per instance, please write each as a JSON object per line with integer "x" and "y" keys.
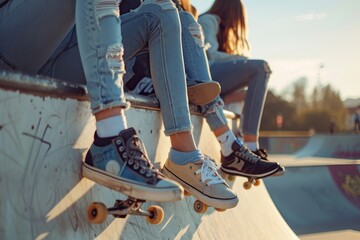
{"x": 347, "y": 178}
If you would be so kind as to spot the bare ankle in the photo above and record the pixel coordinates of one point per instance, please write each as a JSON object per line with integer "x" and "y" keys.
{"x": 183, "y": 142}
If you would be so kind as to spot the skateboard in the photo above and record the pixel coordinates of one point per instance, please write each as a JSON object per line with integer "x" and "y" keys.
{"x": 97, "y": 211}
{"x": 251, "y": 180}
{"x": 203, "y": 93}
{"x": 199, "y": 206}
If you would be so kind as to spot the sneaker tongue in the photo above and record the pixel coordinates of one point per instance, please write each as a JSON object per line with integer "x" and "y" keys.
{"x": 140, "y": 151}
{"x": 127, "y": 133}
{"x": 235, "y": 146}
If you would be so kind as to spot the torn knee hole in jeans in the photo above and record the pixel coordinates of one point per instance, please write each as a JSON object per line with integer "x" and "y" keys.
{"x": 197, "y": 33}
{"x": 114, "y": 59}
{"x": 164, "y": 4}
{"x": 105, "y": 8}
{"x": 213, "y": 107}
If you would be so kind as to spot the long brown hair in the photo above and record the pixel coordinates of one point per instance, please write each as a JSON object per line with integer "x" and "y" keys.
{"x": 232, "y": 34}
{"x": 186, "y": 5}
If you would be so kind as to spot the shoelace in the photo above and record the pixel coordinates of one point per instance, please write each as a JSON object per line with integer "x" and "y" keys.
{"x": 136, "y": 153}
{"x": 263, "y": 152}
{"x": 208, "y": 171}
{"x": 246, "y": 154}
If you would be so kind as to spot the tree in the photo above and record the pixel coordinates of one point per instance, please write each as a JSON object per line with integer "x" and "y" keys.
{"x": 318, "y": 120}
{"x": 299, "y": 93}
{"x": 315, "y": 98}
{"x": 331, "y": 102}
{"x": 275, "y": 105}
{"x": 323, "y": 108}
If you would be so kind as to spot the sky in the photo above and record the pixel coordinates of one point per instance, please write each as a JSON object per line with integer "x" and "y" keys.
{"x": 316, "y": 39}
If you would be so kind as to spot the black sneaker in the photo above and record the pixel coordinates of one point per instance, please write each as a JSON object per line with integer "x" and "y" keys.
{"x": 242, "y": 162}
{"x": 121, "y": 163}
{"x": 262, "y": 153}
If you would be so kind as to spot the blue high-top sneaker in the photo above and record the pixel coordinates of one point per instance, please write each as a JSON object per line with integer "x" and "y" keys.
{"x": 121, "y": 163}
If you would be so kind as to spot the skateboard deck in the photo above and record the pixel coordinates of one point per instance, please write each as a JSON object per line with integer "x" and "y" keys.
{"x": 97, "y": 211}
{"x": 202, "y": 202}
{"x": 251, "y": 180}
{"x": 203, "y": 93}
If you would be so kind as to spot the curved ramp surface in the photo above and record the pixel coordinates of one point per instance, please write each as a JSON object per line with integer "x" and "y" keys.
{"x": 320, "y": 191}
{"x": 43, "y": 195}
{"x": 343, "y": 146}
{"x": 320, "y": 197}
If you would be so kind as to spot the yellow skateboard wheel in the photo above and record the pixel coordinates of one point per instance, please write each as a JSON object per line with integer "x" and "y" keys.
{"x": 97, "y": 213}
{"x": 257, "y": 182}
{"x": 200, "y": 207}
{"x": 231, "y": 178}
{"x": 247, "y": 185}
{"x": 157, "y": 214}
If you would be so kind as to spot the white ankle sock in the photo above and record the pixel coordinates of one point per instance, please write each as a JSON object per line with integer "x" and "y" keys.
{"x": 252, "y": 145}
{"x": 226, "y": 140}
{"x": 111, "y": 127}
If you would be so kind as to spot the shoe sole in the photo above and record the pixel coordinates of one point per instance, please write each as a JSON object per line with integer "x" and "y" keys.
{"x": 132, "y": 188}
{"x": 279, "y": 172}
{"x": 208, "y": 200}
{"x": 241, "y": 174}
{"x": 203, "y": 93}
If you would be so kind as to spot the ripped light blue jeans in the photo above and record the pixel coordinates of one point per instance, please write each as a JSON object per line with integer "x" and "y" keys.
{"x": 101, "y": 51}
{"x": 155, "y": 27}
{"x": 30, "y": 31}
{"x": 237, "y": 74}
{"x": 197, "y": 67}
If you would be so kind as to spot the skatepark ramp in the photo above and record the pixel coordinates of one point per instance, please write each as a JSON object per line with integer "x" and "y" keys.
{"x": 343, "y": 146}
{"x": 320, "y": 191}
{"x": 321, "y": 198}
{"x": 46, "y": 128}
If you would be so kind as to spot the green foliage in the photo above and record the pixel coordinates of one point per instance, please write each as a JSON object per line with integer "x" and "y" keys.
{"x": 324, "y": 107}
{"x": 274, "y": 106}
{"x": 319, "y": 120}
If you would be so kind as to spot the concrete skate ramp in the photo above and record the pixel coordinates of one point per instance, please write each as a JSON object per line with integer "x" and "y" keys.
{"x": 318, "y": 198}
{"x": 320, "y": 191}
{"x": 332, "y": 146}
{"x": 317, "y": 194}
{"x": 43, "y": 196}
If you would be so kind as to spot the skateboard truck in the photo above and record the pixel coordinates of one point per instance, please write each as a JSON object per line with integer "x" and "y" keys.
{"x": 256, "y": 181}
{"x": 246, "y": 185}
{"x": 199, "y": 206}
{"x": 97, "y": 211}
{"x": 251, "y": 181}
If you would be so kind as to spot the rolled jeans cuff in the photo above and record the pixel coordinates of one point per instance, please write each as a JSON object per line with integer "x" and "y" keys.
{"x": 110, "y": 104}
{"x": 172, "y": 131}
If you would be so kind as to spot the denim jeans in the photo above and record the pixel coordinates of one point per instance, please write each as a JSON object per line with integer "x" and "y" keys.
{"x": 101, "y": 51}
{"x": 254, "y": 74}
{"x": 153, "y": 27}
{"x": 197, "y": 67}
{"x": 30, "y": 31}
